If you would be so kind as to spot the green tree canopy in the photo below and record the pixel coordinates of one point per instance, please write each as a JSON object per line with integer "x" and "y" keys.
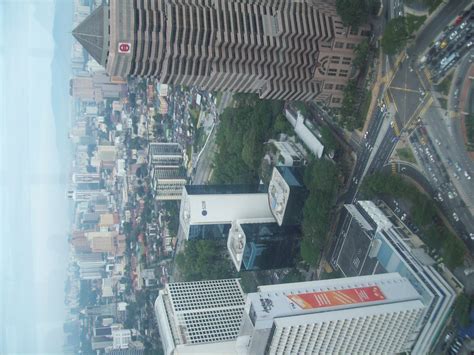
{"x": 361, "y": 51}
{"x": 354, "y": 12}
{"x": 395, "y": 36}
{"x": 242, "y": 132}
{"x": 321, "y": 179}
{"x": 204, "y": 260}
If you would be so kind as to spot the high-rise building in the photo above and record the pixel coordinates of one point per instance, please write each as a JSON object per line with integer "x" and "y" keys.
{"x": 83, "y": 178}
{"x": 374, "y": 244}
{"x": 165, "y": 155}
{"x": 374, "y": 314}
{"x": 168, "y": 182}
{"x": 95, "y": 87}
{"x": 286, "y": 195}
{"x": 202, "y": 317}
{"x": 262, "y": 245}
{"x": 207, "y": 211}
{"x": 279, "y": 49}
{"x": 91, "y": 266}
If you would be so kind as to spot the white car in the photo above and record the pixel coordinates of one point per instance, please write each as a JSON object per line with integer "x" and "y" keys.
{"x": 467, "y": 175}
{"x": 455, "y": 216}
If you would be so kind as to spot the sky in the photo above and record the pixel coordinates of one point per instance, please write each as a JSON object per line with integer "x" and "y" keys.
{"x": 33, "y": 207}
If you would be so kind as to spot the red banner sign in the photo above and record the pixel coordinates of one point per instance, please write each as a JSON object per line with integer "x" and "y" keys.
{"x": 337, "y": 298}
{"x": 124, "y": 47}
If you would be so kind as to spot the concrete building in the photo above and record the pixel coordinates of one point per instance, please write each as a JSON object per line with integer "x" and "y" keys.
{"x": 91, "y": 266}
{"x": 374, "y": 314}
{"x": 168, "y": 182}
{"x": 287, "y": 195}
{"x": 86, "y": 195}
{"x": 373, "y": 243}
{"x": 95, "y": 87}
{"x": 86, "y": 178}
{"x": 202, "y": 317}
{"x": 305, "y": 131}
{"x": 165, "y": 155}
{"x": 279, "y": 49}
{"x": 207, "y": 211}
{"x": 287, "y": 153}
{"x": 262, "y": 244}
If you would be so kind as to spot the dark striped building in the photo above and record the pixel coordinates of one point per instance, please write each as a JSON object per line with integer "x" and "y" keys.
{"x": 280, "y": 49}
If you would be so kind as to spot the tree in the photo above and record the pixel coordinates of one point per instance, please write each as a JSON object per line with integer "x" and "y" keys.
{"x": 461, "y": 309}
{"x": 330, "y": 143}
{"x": 349, "y": 111}
{"x": 361, "y": 51}
{"x": 204, "y": 260}
{"x": 142, "y": 171}
{"x": 395, "y": 36}
{"x": 141, "y": 191}
{"x": 320, "y": 178}
{"x": 353, "y": 12}
{"x": 242, "y": 132}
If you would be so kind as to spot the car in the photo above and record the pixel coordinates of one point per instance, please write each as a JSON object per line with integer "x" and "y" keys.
{"x": 471, "y": 235}
{"x": 469, "y": 44}
{"x": 455, "y": 216}
{"x": 466, "y": 174}
{"x": 404, "y": 216}
{"x": 450, "y": 195}
{"x": 440, "y": 197}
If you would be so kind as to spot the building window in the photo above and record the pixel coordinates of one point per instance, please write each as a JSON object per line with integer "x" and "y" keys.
{"x": 335, "y": 60}
{"x": 354, "y": 31}
{"x": 338, "y": 45}
{"x": 346, "y": 60}
{"x": 336, "y": 100}
{"x": 365, "y": 33}
{"x": 343, "y": 73}
{"x": 332, "y": 72}
{"x": 350, "y": 45}
{"x": 340, "y": 87}
{"x": 328, "y": 86}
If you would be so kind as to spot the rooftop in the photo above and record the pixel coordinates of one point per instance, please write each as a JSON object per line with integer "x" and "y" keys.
{"x": 93, "y": 35}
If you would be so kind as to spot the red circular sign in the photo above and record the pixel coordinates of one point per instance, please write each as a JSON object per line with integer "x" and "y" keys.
{"x": 124, "y": 47}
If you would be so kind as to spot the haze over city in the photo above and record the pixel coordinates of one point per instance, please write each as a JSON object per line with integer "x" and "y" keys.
{"x": 34, "y": 216}
{"x": 236, "y": 177}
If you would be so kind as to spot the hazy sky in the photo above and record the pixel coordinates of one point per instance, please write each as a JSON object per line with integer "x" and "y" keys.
{"x": 33, "y": 219}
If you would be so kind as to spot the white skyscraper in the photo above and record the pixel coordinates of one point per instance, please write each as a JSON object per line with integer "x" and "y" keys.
{"x": 373, "y": 314}
{"x": 202, "y": 317}
{"x": 207, "y": 211}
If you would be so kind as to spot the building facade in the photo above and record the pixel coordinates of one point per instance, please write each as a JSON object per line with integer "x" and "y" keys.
{"x": 279, "y": 49}
{"x": 263, "y": 245}
{"x": 165, "y": 155}
{"x": 287, "y": 195}
{"x": 373, "y": 244}
{"x": 202, "y": 317}
{"x": 168, "y": 182}
{"x": 373, "y": 314}
{"x": 207, "y": 211}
